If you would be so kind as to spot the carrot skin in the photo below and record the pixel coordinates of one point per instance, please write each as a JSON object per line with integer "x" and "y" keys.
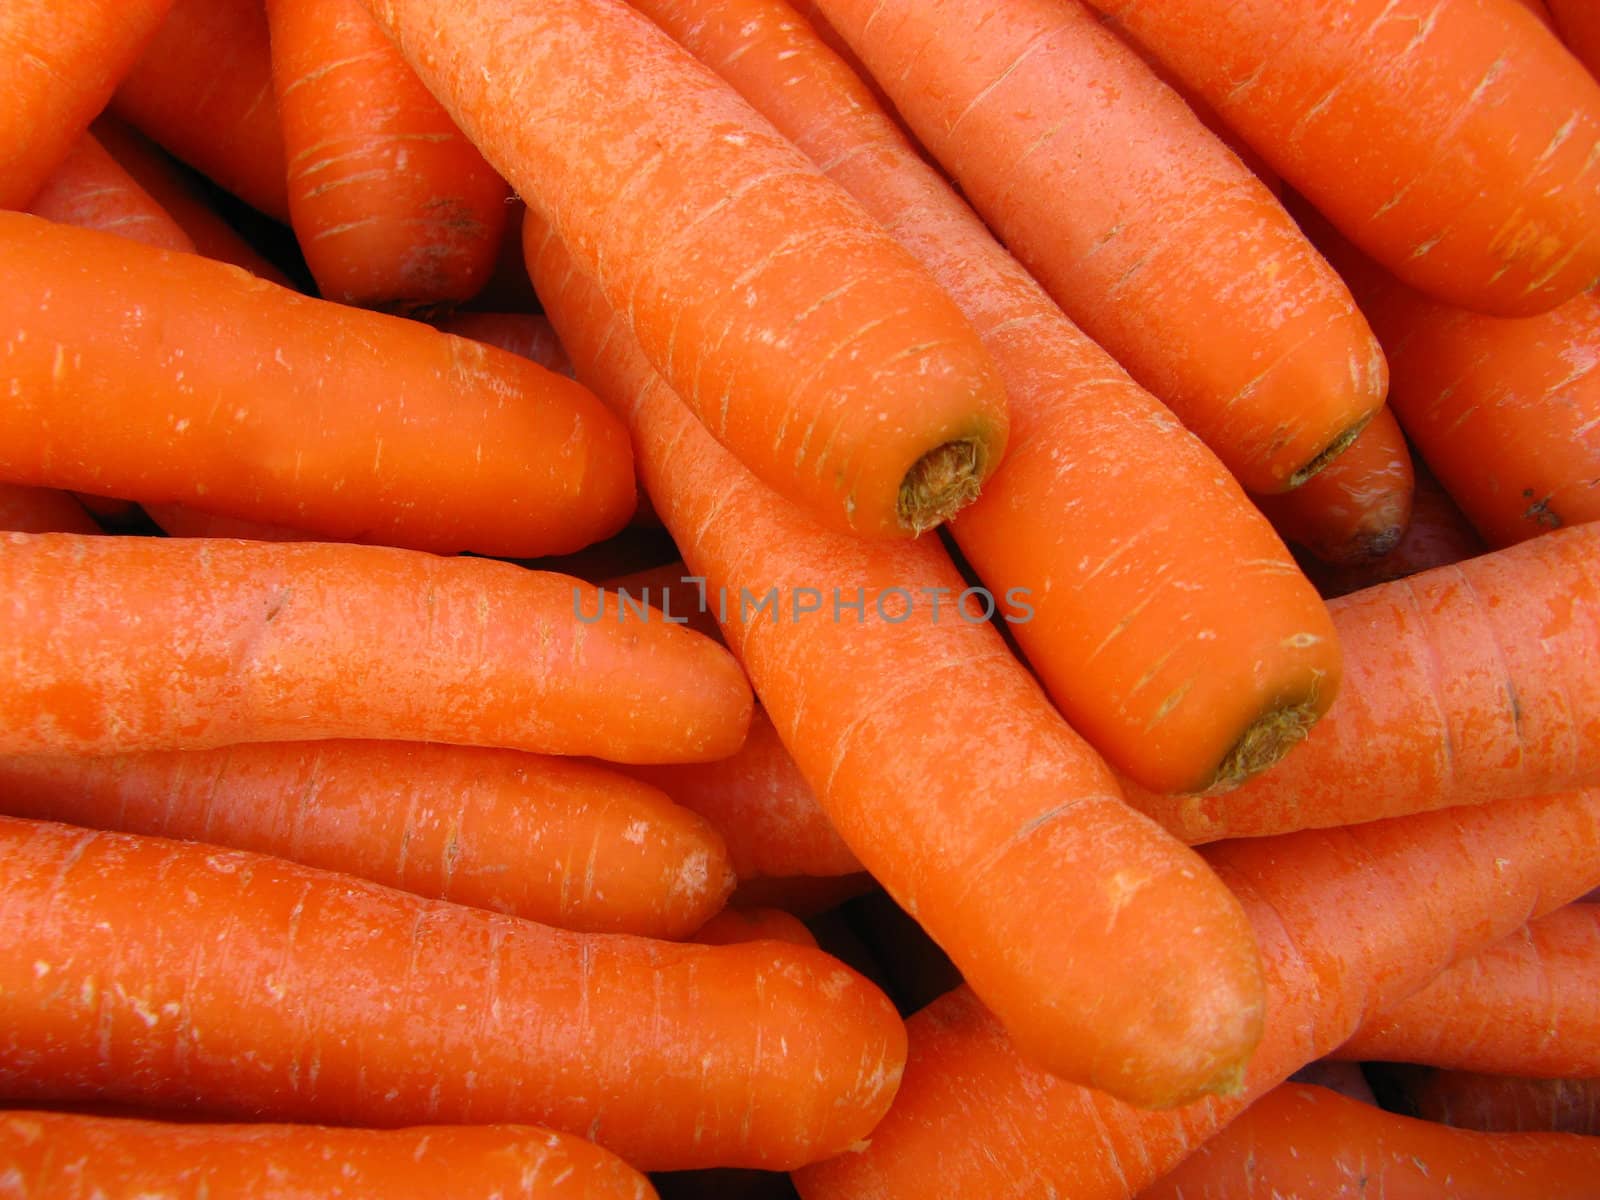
{"x": 1503, "y": 1103}
{"x": 233, "y": 641}
{"x": 420, "y": 439}
{"x": 1579, "y": 27}
{"x": 1300, "y": 1142}
{"x": 562, "y": 842}
{"x": 528, "y": 334}
{"x": 92, "y": 190}
{"x": 789, "y": 322}
{"x": 73, "y": 1156}
{"x": 240, "y": 985}
{"x": 42, "y": 510}
{"x": 752, "y": 924}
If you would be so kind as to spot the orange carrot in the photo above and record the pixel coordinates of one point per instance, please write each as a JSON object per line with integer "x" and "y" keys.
{"x": 1347, "y": 920}
{"x": 1272, "y": 366}
{"x": 42, "y": 510}
{"x": 1108, "y": 571}
{"x": 1357, "y": 508}
{"x": 1346, "y": 1078}
{"x": 939, "y": 760}
{"x": 237, "y": 984}
{"x": 392, "y": 206}
{"x": 180, "y": 520}
{"x": 203, "y": 90}
{"x": 91, "y": 189}
{"x": 310, "y": 415}
{"x": 1506, "y": 412}
{"x": 527, "y": 334}
{"x": 165, "y": 180}
{"x": 62, "y": 63}
{"x": 70, "y": 1154}
{"x": 1300, "y": 1142}
{"x": 752, "y": 924}
{"x": 562, "y": 842}
{"x": 803, "y": 896}
{"x": 1579, "y": 26}
{"x": 1484, "y": 193}
{"x": 789, "y": 321}
{"x": 1524, "y": 1006}
{"x": 1505, "y": 1103}
{"x": 1463, "y": 684}
{"x": 116, "y": 645}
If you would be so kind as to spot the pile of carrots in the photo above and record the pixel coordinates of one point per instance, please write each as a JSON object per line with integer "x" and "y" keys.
{"x": 858, "y": 599}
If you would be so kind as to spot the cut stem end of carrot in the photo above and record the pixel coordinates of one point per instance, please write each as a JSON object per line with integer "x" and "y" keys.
{"x": 1264, "y": 742}
{"x": 941, "y": 483}
{"x": 1329, "y": 452}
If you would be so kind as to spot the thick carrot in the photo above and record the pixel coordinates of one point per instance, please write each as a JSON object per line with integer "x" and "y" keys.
{"x": 70, "y": 1155}
{"x": 1524, "y": 1006}
{"x": 392, "y": 206}
{"x": 1108, "y": 565}
{"x": 1463, "y": 684}
{"x": 787, "y": 319}
{"x": 1358, "y": 507}
{"x": 203, "y": 90}
{"x": 1579, "y": 26}
{"x": 1347, "y": 920}
{"x": 525, "y": 333}
{"x": 180, "y": 520}
{"x": 92, "y": 190}
{"x": 166, "y": 181}
{"x": 1504, "y": 1103}
{"x": 751, "y": 925}
{"x": 306, "y": 414}
{"x": 1300, "y": 1142}
{"x": 558, "y": 841}
{"x": 939, "y": 760}
{"x": 1506, "y": 412}
{"x": 1486, "y": 190}
{"x": 237, "y": 984}
{"x": 1273, "y": 366}
{"x": 63, "y": 61}
{"x": 115, "y": 645}
{"x": 42, "y": 510}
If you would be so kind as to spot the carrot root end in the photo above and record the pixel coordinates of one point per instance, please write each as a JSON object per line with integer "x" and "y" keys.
{"x": 941, "y": 483}
{"x": 1267, "y": 739}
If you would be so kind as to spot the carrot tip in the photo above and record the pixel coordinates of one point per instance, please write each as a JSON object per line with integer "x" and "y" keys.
{"x": 1267, "y": 739}
{"x": 941, "y": 483}
{"x": 1329, "y": 452}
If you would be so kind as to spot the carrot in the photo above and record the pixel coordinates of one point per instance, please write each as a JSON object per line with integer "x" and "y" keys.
{"x": 527, "y": 334}
{"x": 752, "y": 924}
{"x": 1579, "y": 27}
{"x": 803, "y": 896}
{"x": 561, "y": 842}
{"x": 180, "y": 520}
{"x": 237, "y": 984}
{"x": 1539, "y": 9}
{"x": 116, "y": 645}
{"x": 121, "y": 1158}
{"x": 1057, "y": 523}
{"x": 939, "y": 760}
{"x": 391, "y": 204}
{"x": 1463, "y": 684}
{"x": 42, "y": 510}
{"x": 164, "y": 179}
{"x": 1300, "y": 1142}
{"x": 1357, "y": 508}
{"x": 203, "y": 90}
{"x": 90, "y": 189}
{"x": 1273, "y": 367}
{"x": 63, "y": 63}
{"x": 1506, "y": 412}
{"x": 1437, "y": 535}
{"x": 1347, "y": 921}
{"x": 1346, "y": 1078}
{"x": 790, "y": 323}
{"x": 120, "y": 386}
{"x": 1505, "y": 1103}
{"x": 1525, "y": 1006}
{"x": 1485, "y": 192}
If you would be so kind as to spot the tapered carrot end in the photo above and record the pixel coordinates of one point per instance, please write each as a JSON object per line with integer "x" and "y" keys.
{"x": 941, "y": 483}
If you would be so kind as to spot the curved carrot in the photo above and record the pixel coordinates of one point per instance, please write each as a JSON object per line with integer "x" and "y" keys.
{"x": 1073, "y": 520}
{"x": 751, "y": 925}
{"x": 527, "y": 334}
{"x": 1485, "y": 193}
{"x": 120, "y": 1158}
{"x": 565, "y": 843}
{"x": 806, "y": 340}
{"x": 62, "y": 63}
{"x": 391, "y": 205}
{"x": 116, "y": 645}
{"x": 1463, "y": 684}
{"x": 310, "y": 415}
{"x": 91, "y": 190}
{"x": 1524, "y": 1006}
{"x": 938, "y": 759}
{"x": 236, "y": 984}
{"x": 42, "y": 510}
{"x": 1347, "y": 921}
{"x": 1272, "y": 365}
{"x": 1358, "y": 507}
{"x": 1579, "y": 26}
{"x": 1505, "y": 1103}
{"x": 203, "y": 90}
{"x": 1300, "y": 1142}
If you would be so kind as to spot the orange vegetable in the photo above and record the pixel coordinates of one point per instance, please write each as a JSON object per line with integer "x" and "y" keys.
{"x": 1579, "y": 26}
{"x": 1505, "y": 1103}
{"x": 92, "y": 190}
{"x": 42, "y": 510}
{"x": 733, "y": 925}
